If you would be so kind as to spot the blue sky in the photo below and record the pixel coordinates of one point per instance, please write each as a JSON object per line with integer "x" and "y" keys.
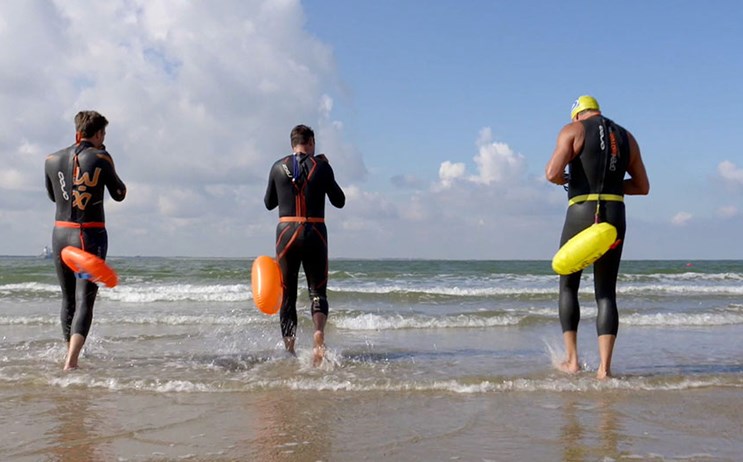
{"x": 437, "y": 116}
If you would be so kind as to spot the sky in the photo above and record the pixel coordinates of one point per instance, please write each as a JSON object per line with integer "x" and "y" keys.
{"x": 438, "y": 118}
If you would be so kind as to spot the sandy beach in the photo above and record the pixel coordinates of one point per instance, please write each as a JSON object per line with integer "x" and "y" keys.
{"x": 89, "y": 425}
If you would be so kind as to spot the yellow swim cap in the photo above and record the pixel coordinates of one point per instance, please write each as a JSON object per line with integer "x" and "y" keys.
{"x": 583, "y": 103}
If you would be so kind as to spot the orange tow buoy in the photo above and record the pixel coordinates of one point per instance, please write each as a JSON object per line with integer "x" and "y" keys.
{"x": 89, "y": 265}
{"x": 267, "y": 287}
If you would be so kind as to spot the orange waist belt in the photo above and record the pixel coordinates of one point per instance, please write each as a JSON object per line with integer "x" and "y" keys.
{"x": 72, "y": 224}
{"x": 301, "y": 220}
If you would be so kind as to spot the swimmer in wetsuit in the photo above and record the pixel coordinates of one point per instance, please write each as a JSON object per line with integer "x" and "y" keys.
{"x": 599, "y": 153}
{"x": 298, "y": 184}
{"x": 75, "y": 180}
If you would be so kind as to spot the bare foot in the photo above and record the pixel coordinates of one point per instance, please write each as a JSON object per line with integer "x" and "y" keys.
{"x": 569, "y": 367}
{"x": 319, "y": 349}
{"x": 70, "y": 365}
{"x": 603, "y": 375}
{"x": 289, "y": 345}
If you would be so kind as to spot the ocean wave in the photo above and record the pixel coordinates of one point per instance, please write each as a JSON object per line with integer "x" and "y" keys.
{"x": 357, "y": 321}
{"x": 237, "y": 319}
{"x": 179, "y": 292}
{"x": 683, "y": 319}
{"x": 371, "y": 321}
{"x": 685, "y": 277}
{"x": 453, "y": 291}
{"x": 685, "y": 289}
{"x": 25, "y": 289}
{"x": 233, "y": 292}
{"x": 458, "y": 386}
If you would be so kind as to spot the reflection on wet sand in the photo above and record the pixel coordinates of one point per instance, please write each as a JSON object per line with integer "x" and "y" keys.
{"x": 76, "y": 437}
{"x": 290, "y": 427}
{"x": 590, "y": 429}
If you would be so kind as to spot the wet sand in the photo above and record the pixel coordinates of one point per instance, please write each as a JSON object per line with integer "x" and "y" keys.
{"x": 68, "y": 424}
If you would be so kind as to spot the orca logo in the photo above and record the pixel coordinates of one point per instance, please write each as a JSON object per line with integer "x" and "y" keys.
{"x": 62, "y": 184}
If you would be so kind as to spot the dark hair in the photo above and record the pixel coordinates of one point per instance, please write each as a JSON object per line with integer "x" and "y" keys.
{"x": 301, "y": 134}
{"x": 88, "y": 123}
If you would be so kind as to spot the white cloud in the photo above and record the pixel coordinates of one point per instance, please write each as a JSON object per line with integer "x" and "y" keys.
{"x": 727, "y": 211}
{"x": 730, "y": 173}
{"x": 496, "y": 162}
{"x": 681, "y": 219}
{"x": 450, "y": 172}
{"x": 200, "y": 97}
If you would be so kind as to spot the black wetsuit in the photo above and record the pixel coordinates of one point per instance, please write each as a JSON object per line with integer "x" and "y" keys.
{"x": 298, "y": 184}
{"x": 75, "y": 181}
{"x": 597, "y": 169}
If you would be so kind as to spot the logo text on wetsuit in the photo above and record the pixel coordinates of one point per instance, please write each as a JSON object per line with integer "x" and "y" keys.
{"x": 614, "y": 151}
{"x": 82, "y": 183}
{"x": 62, "y": 184}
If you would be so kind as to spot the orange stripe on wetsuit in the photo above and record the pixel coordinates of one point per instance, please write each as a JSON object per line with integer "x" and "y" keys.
{"x": 81, "y": 226}
{"x": 301, "y": 221}
{"x": 300, "y": 204}
{"x": 291, "y": 219}
{"x": 300, "y": 208}
{"x": 72, "y": 224}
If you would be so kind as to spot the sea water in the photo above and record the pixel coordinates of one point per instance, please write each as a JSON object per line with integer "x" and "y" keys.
{"x": 190, "y": 325}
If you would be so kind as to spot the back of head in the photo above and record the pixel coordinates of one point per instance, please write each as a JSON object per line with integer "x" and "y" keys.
{"x": 88, "y": 123}
{"x": 301, "y": 134}
{"x": 584, "y": 103}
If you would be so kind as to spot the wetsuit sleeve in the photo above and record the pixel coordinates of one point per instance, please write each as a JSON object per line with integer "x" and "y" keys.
{"x": 334, "y": 191}
{"x": 49, "y": 185}
{"x": 637, "y": 183}
{"x": 115, "y": 186}
{"x": 271, "y": 199}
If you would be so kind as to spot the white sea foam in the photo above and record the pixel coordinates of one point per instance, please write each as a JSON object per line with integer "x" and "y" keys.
{"x": 655, "y": 285}
{"x": 179, "y": 292}
{"x": 685, "y": 289}
{"x": 28, "y": 287}
{"x": 28, "y": 320}
{"x": 370, "y": 321}
{"x": 327, "y": 383}
{"x": 689, "y": 276}
{"x": 500, "y": 289}
{"x": 185, "y": 320}
{"x": 683, "y": 319}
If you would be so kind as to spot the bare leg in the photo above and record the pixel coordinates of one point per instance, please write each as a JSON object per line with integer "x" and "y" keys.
{"x": 570, "y": 365}
{"x": 606, "y": 348}
{"x": 319, "y": 338}
{"x": 289, "y": 344}
{"x": 73, "y": 351}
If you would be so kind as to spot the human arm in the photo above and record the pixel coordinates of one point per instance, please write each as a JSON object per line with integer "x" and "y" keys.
{"x": 569, "y": 144}
{"x": 336, "y": 195}
{"x": 638, "y": 182}
{"x": 271, "y": 198}
{"x": 116, "y": 187}
{"x": 334, "y": 191}
{"x": 49, "y": 185}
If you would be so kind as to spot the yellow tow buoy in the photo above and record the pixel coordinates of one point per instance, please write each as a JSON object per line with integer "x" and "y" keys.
{"x": 584, "y": 248}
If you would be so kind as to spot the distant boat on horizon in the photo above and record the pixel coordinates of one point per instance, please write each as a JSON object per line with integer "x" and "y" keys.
{"x": 46, "y": 252}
